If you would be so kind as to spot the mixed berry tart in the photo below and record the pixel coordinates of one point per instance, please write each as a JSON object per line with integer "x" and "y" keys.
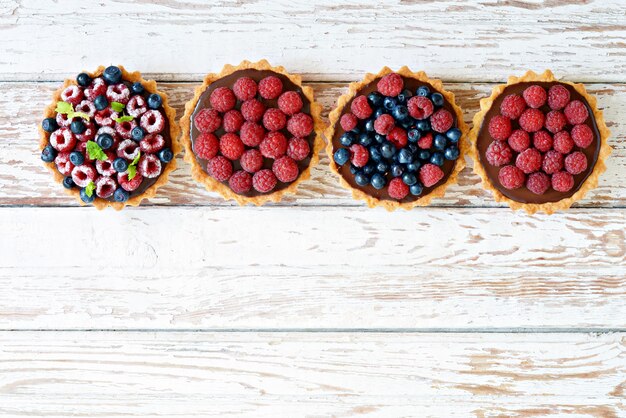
{"x": 397, "y": 139}
{"x": 539, "y": 143}
{"x": 109, "y": 137}
{"x": 252, "y": 132}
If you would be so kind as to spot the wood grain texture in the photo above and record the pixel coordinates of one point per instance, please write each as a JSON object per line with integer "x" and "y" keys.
{"x": 322, "y": 374}
{"x": 24, "y": 180}
{"x": 481, "y": 40}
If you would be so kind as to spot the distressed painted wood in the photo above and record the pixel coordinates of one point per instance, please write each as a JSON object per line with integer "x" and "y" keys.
{"x": 320, "y": 374}
{"x": 24, "y": 181}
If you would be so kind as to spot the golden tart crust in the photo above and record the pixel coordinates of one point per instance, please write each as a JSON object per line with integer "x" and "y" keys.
{"x": 170, "y": 114}
{"x": 591, "y": 182}
{"x": 354, "y": 89}
{"x": 211, "y": 184}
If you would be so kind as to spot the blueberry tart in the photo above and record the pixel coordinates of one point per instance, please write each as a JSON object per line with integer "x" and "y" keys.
{"x": 109, "y": 137}
{"x": 539, "y": 144}
{"x": 397, "y": 139}
{"x": 252, "y": 132}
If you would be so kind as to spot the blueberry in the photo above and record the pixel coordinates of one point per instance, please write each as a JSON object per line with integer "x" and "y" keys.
{"x": 437, "y": 159}
{"x": 422, "y": 91}
{"x": 413, "y": 167}
{"x": 48, "y": 154}
{"x": 387, "y": 150}
{"x": 404, "y": 96}
{"x": 454, "y": 134}
{"x": 423, "y": 125}
{"x": 437, "y": 99}
{"x": 382, "y": 167}
{"x": 413, "y": 148}
{"x": 68, "y": 183}
{"x": 400, "y": 113}
{"x": 375, "y": 154}
{"x": 440, "y": 142}
{"x": 77, "y": 158}
{"x": 137, "y": 88}
{"x": 154, "y": 101}
{"x": 105, "y": 141}
{"x": 120, "y": 195}
{"x": 49, "y": 125}
{"x": 409, "y": 179}
{"x": 396, "y": 170}
{"x": 101, "y": 102}
{"x": 375, "y": 99}
{"x": 137, "y": 133}
{"x": 369, "y": 169}
{"x": 424, "y": 155}
{"x": 120, "y": 165}
{"x": 379, "y": 112}
{"x": 354, "y": 169}
{"x": 369, "y": 125}
{"x": 405, "y": 156}
{"x": 380, "y": 138}
{"x": 416, "y": 189}
{"x": 112, "y": 75}
{"x": 341, "y": 156}
{"x": 389, "y": 103}
{"x": 166, "y": 155}
{"x": 83, "y": 79}
{"x": 365, "y": 139}
{"x": 378, "y": 181}
{"x": 361, "y": 179}
{"x": 85, "y": 198}
{"x": 407, "y": 123}
{"x": 414, "y": 135}
{"x": 451, "y": 153}
{"x": 78, "y": 126}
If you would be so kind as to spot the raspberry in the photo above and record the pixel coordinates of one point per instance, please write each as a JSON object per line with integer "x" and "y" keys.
{"x": 360, "y": 107}
{"x": 97, "y": 88}
{"x": 290, "y": 102}
{"x": 105, "y": 187}
{"x": 89, "y": 134}
{"x": 298, "y": 149}
{"x": 233, "y": 121}
{"x": 231, "y": 146}
{"x": 63, "y": 140}
{"x": 500, "y": 127}
{"x": 552, "y": 162}
{"x": 300, "y": 125}
{"x": 245, "y": 88}
{"x": 106, "y": 167}
{"x": 252, "y": 110}
{"x": 576, "y": 112}
{"x": 531, "y": 120}
{"x": 137, "y": 106}
{"x": 348, "y": 122}
{"x": 359, "y": 156}
{"x": 63, "y": 120}
{"x": 543, "y": 141}
{"x": 563, "y": 142}
{"x": 83, "y": 175}
{"x": 430, "y": 174}
{"x": 511, "y": 177}
{"x": 240, "y": 182}
{"x": 519, "y": 140}
{"x": 426, "y": 141}
{"x": 206, "y": 146}
{"x": 152, "y": 121}
{"x": 441, "y": 120}
{"x": 105, "y": 117}
{"x": 270, "y": 87}
{"x": 128, "y": 149}
{"x": 125, "y": 128}
{"x": 63, "y": 163}
{"x": 576, "y": 163}
{"x": 555, "y": 121}
{"x": 251, "y": 134}
{"x": 207, "y": 120}
{"x": 562, "y": 181}
{"x": 222, "y": 99}
{"x": 149, "y": 166}
{"x": 118, "y": 93}
{"x": 264, "y": 181}
{"x": 498, "y": 153}
{"x": 152, "y": 143}
{"x": 251, "y": 160}
{"x": 285, "y": 169}
{"x": 86, "y": 107}
{"x": 420, "y": 107}
{"x": 129, "y": 185}
{"x": 582, "y": 135}
{"x": 398, "y": 137}
{"x": 384, "y": 124}
{"x": 397, "y": 189}
{"x": 390, "y": 85}
{"x": 538, "y": 182}
{"x": 528, "y": 161}
{"x": 219, "y": 168}
{"x": 512, "y": 106}
{"x": 558, "y": 97}
{"x": 535, "y": 96}
{"x": 72, "y": 94}
{"x": 274, "y": 119}
{"x": 274, "y": 145}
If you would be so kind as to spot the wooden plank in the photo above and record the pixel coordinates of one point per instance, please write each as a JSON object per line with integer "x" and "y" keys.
{"x": 314, "y": 374}
{"x": 321, "y": 268}
{"x": 483, "y": 40}
{"x": 24, "y": 181}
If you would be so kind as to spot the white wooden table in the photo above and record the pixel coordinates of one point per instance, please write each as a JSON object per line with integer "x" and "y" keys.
{"x": 190, "y": 306}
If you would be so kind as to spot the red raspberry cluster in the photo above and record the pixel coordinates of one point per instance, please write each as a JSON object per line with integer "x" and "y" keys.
{"x": 253, "y": 135}
{"x": 538, "y": 139}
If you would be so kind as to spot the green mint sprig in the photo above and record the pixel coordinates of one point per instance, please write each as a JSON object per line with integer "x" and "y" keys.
{"x": 95, "y": 152}
{"x": 90, "y": 188}
{"x": 124, "y": 119}
{"x": 67, "y": 109}
{"x": 132, "y": 168}
{"x": 117, "y": 106}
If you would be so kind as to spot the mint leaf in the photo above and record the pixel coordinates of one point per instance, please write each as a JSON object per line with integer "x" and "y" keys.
{"x": 117, "y": 106}
{"x": 132, "y": 168}
{"x": 136, "y": 159}
{"x": 90, "y": 188}
{"x": 95, "y": 152}
{"x": 123, "y": 119}
{"x": 80, "y": 115}
{"x": 64, "y": 108}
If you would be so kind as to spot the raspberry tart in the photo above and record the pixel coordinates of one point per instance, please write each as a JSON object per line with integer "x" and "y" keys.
{"x": 539, "y": 143}
{"x": 109, "y": 137}
{"x": 397, "y": 139}
{"x": 252, "y": 132}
